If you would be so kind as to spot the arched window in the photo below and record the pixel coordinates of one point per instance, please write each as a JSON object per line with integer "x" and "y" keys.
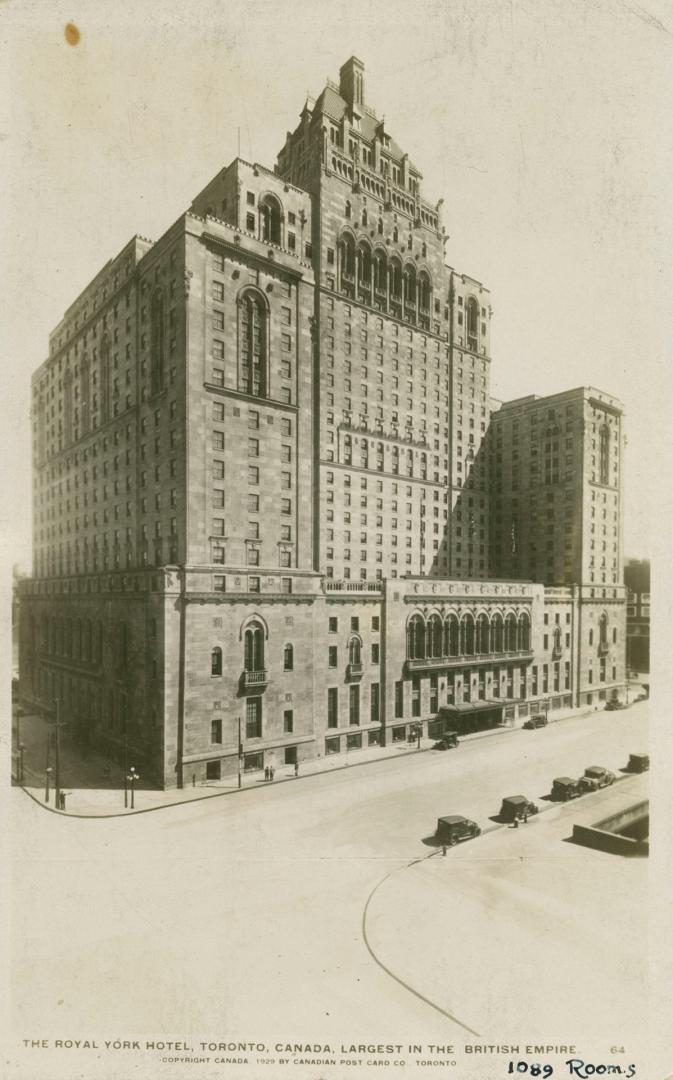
{"x": 416, "y": 638}
{"x": 524, "y": 632}
{"x": 557, "y": 641}
{"x": 472, "y": 315}
{"x": 396, "y": 235}
{"x": 467, "y": 635}
{"x": 270, "y": 219}
{"x": 482, "y": 643}
{"x": 288, "y": 658}
{"x": 510, "y": 633}
{"x": 424, "y": 292}
{"x": 252, "y": 337}
{"x": 158, "y": 331}
{"x": 364, "y": 266}
{"x": 433, "y": 637}
{"x": 604, "y": 461}
{"x": 395, "y": 281}
{"x": 453, "y": 635}
{"x": 216, "y": 661}
{"x": 410, "y": 287}
{"x": 253, "y": 647}
{"x": 346, "y": 262}
{"x": 380, "y": 271}
{"x": 348, "y": 208}
{"x": 355, "y": 651}
{"x": 364, "y": 217}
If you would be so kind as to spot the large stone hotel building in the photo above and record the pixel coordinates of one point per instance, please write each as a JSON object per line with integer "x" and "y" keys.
{"x": 272, "y": 493}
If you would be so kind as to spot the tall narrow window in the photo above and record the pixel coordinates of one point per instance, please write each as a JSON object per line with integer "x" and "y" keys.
{"x": 604, "y": 470}
{"x": 216, "y": 662}
{"x": 252, "y": 345}
{"x": 254, "y": 648}
{"x": 270, "y": 218}
{"x": 288, "y": 658}
{"x": 158, "y": 342}
{"x": 472, "y": 312}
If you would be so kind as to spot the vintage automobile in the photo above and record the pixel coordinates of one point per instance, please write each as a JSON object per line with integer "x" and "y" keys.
{"x": 613, "y": 704}
{"x": 448, "y": 740}
{"x": 595, "y": 777}
{"x": 564, "y": 788}
{"x": 516, "y": 807}
{"x": 453, "y": 828}
{"x": 535, "y": 721}
{"x": 638, "y": 762}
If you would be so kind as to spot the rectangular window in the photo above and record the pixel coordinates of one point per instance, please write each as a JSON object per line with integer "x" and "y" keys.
{"x": 253, "y": 718}
{"x": 416, "y": 696}
{"x": 375, "y": 622}
{"x": 333, "y": 624}
{"x": 375, "y": 653}
{"x": 253, "y": 504}
{"x": 333, "y": 706}
{"x": 253, "y": 474}
{"x": 355, "y": 623}
{"x": 374, "y": 703}
{"x": 399, "y": 698}
{"x": 288, "y": 721}
{"x": 216, "y": 730}
{"x": 218, "y": 411}
{"x": 253, "y": 556}
{"x": 219, "y": 582}
{"x": 354, "y": 705}
{"x": 332, "y": 655}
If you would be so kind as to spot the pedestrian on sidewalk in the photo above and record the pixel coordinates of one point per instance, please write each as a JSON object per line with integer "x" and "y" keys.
{"x": 525, "y": 817}
{"x": 443, "y": 849}
{"x": 271, "y": 772}
{"x": 516, "y": 823}
{"x": 266, "y": 773}
{"x": 296, "y": 768}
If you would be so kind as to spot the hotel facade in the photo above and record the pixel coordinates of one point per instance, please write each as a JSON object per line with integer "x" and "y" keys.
{"x": 272, "y": 495}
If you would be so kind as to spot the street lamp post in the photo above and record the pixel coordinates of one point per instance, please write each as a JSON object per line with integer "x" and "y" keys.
{"x": 47, "y": 774}
{"x": 131, "y": 778}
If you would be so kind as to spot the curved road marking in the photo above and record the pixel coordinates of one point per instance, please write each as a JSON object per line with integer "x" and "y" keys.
{"x": 375, "y": 958}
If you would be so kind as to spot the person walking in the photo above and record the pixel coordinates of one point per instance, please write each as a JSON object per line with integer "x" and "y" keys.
{"x": 525, "y": 817}
{"x": 266, "y": 772}
{"x": 296, "y": 768}
{"x": 516, "y": 822}
{"x": 271, "y": 772}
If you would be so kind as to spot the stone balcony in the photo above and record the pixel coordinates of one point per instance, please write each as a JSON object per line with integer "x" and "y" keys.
{"x": 435, "y": 663}
{"x": 254, "y": 680}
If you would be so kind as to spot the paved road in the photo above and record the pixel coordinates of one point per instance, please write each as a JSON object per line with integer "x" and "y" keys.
{"x": 223, "y": 918}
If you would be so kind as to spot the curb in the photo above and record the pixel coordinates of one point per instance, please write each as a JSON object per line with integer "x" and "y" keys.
{"x": 282, "y": 780}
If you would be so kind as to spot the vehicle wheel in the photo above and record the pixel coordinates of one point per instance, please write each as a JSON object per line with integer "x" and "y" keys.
{"x": 453, "y": 841}
{"x": 477, "y": 832}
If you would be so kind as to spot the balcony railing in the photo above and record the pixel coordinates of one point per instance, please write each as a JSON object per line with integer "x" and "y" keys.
{"x": 254, "y": 680}
{"x": 353, "y": 672}
{"x": 557, "y": 652}
{"x": 467, "y": 660}
{"x": 603, "y": 648}
{"x": 334, "y": 585}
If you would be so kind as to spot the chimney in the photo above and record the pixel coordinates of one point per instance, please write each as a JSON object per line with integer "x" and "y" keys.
{"x": 352, "y": 82}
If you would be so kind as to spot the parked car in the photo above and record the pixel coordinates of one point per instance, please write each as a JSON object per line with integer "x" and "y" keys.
{"x": 595, "y": 777}
{"x": 448, "y": 740}
{"x": 638, "y": 762}
{"x": 453, "y": 828}
{"x": 536, "y": 721}
{"x": 564, "y": 788}
{"x": 516, "y": 807}
{"x": 613, "y": 704}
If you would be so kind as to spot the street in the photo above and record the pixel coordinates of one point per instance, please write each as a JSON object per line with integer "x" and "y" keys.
{"x": 226, "y": 917}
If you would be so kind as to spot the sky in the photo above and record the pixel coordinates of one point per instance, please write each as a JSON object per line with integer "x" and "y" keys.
{"x": 544, "y": 127}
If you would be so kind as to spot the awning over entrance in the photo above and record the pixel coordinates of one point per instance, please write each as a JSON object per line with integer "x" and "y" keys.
{"x": 470, "y": 716}
{"x": 471, "y": 708}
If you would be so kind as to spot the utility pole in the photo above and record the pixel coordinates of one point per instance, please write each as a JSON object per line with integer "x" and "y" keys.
{"x": 240, "y": 752}
{"x": 57, "y": 746}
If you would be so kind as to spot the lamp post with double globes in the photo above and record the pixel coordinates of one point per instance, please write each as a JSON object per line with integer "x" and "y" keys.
{"x": 47, "y": 775}
{"x": 131, "y": 778}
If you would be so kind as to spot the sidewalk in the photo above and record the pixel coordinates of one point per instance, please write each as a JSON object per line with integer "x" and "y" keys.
{"x": 98, "y": 790}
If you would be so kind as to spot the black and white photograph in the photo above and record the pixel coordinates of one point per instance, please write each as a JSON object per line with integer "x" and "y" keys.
{"x": 336, "y": 372}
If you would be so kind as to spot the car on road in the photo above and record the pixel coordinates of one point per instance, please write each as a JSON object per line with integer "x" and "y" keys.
{"x": 638, "y": 762}
{"x": 564, "y": 788}
{"x": 613, "y": 704}
{"x": 447, "y": 742}
{"x": 536, "y": 721}
{"x": 595, "y": 777}
{"x": 516, "y": 807}
{"x": 453, "y": 828}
